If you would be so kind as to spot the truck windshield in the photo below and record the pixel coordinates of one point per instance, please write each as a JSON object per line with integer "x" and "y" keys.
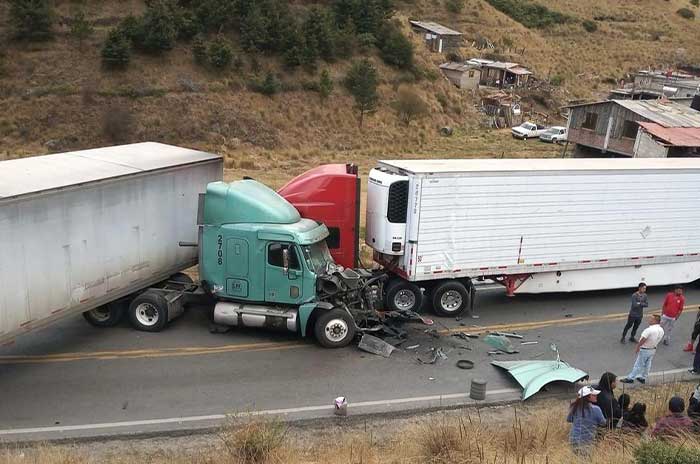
{"x": 317, "y": 257}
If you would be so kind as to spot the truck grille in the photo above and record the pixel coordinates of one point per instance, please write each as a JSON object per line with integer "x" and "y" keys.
{"x": 398, "y": 202}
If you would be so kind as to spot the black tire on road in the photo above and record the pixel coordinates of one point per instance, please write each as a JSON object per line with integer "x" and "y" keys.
{"x": 334, "y": 328}
{"x": 107, "y": 315}
{"x": 149, "y": 312}
{"x": 450, "y": 298}
{"x": 402, "y": 295}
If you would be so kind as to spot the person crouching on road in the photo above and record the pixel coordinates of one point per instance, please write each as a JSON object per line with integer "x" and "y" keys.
{"x": 675, "y": 424}
{"x": 585, "y": 418}
{"x": 634, "y": 318}
{"x": 696, "y": 334}
{"x": 671, "y": 311}
{"x": 646, "y": 349}
{"x": 606, "y": 398}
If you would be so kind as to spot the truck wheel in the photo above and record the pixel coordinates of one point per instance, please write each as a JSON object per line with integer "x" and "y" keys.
{"x": 402, "y": 295}
{"x": 450, "y": 298}
{"x": 107, "y": 315}
{"x": 149, "y": 312}
{"x": 334, "y": 329}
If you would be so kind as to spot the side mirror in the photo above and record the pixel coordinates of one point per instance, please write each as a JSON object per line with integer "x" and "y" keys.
{"x": 285, "y": 260}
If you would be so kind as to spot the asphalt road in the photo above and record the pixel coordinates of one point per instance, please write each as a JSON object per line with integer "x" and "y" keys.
{"x": 72, "y": 379}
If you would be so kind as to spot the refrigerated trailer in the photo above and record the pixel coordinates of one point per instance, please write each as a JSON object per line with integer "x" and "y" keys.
{"x": 532, "y": 225}
{"x": 81, "y": 230}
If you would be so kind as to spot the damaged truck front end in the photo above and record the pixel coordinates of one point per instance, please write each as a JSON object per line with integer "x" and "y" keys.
{"x": 268, "y": 267}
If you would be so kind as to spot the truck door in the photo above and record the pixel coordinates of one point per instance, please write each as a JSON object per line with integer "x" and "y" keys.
{"x": 283, "y": 285}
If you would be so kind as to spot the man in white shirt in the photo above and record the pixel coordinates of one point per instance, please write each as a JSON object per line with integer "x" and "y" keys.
{"x": 646, "y": 349}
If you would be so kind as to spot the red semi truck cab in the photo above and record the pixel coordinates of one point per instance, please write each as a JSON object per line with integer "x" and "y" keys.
{"x": 331, "y": 194}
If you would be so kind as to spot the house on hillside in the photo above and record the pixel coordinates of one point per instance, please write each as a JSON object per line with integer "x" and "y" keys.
{"x": 437, "y": 37}
{"x": 612, "y": 128}
{"x": 464, "y": 76}
{"x": 650, "y": 85}
{"x": 656, "y": 141}
{"x": 501, "y": 74}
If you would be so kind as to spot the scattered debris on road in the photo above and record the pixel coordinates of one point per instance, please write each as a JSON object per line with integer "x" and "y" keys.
{"x": 374, "y": 345}
{"x": 508, "y": 334}
{"x": 341, "y": 406}
{"x": 465, "y": 364}
{"x": 437, "y": 354}
{"x": 500, "y": 342}
{"x": 529, "y": 343}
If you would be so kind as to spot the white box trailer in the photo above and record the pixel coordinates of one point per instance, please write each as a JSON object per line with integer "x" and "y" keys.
{"x": 533, "y": 225}
{"x": 82, "y": 229}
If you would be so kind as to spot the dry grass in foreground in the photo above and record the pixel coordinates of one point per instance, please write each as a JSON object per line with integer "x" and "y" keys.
{"x": 522, "y": 434}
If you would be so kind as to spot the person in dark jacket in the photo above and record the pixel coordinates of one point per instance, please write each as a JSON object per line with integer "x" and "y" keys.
{"x": 696, "y": 335}
{"x": 694, "y": 408}
{"x": 635, "y": 419}
{"x": 606, "y": 399}
{"x": 639, "y": 302}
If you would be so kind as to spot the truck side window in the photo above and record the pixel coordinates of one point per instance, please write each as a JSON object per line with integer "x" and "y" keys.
{"x": 274, "y": 255}
{"x": 333, "y": 240}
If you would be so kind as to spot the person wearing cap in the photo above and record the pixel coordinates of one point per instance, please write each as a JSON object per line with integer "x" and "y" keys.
{"x": 675, "y": 423}
{"x": 671, "y": 311}
{"x": 646, "y": 349}
{"x": 585, "y": 418}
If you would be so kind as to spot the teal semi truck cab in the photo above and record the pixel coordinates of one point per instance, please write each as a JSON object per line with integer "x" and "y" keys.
{"x": 268, "y": 267}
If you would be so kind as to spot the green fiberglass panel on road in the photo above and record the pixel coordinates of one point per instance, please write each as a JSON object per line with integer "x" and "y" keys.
{"x": 246, "y": 201}
{"x": 533, "y": 375}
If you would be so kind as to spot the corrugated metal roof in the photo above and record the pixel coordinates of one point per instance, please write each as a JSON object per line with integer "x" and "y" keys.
{"x": 519, "y": 70}
{"x": 435, "y": 28}
{"x": 666, "y": 113}
{"x": 502, "y": 65}
{"x": 41, "y": 173}
{"x": 675, "y": 136}
{"x": 455, "y": 166}
{"x": 457, "y": 66}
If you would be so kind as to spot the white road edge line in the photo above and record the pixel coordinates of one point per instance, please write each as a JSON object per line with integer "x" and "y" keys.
{"x": 270, "y": 412}
{"x": 218, "y": 417}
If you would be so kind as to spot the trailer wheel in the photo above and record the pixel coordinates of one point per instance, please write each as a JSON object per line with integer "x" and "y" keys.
{"x": 107, "y": 315}
{"x": 450, "y": 298}
{"x": 334, "y": 329}
{"x": 149, "y": 312}
{"x": 402, "y": 295}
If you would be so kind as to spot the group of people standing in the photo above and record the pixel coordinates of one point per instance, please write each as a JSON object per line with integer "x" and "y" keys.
{"x": 659, "y": 331}
{"x": 596, "y": 407}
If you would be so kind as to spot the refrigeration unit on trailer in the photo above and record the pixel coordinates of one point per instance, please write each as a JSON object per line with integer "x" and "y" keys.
{"x": 532, "y": 225}
{"x": 80, "y": 231}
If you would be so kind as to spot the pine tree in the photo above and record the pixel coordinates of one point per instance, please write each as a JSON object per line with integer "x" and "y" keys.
{"x": 116, "y": 50}
{"x": 159, "y": 28}
{"x": 80, "y": 28}
{"x": 325, "y": 85}
{"x": 362, "y": 81}
{"x": 32, "y": 19}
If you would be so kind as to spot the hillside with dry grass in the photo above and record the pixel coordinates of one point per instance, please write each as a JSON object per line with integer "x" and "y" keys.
{"x": 56, "y": 96}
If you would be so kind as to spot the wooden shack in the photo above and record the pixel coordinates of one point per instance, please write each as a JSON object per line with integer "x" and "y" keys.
{"x": 610, "y": 127}
{"x": 437, "y": 37}
{"x": 464, "y": 76}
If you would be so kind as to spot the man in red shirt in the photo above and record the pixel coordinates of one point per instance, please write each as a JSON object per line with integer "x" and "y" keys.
{"x": 672, "y": 309}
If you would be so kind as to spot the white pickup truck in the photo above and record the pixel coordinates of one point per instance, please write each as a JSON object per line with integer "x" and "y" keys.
{"x": 527, "y": 130}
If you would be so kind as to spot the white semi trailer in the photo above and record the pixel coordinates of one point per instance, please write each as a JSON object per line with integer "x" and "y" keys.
{"x": 81, "y": 230}
{"x": 532, "y": 225}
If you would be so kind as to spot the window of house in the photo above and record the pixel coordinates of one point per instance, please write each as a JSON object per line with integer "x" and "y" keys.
{"x": 471, "y": 73}
{"x": 333, "y": 240}
{"x": 274, "y": 255}
{"x": 629, "y": 129}
{"x": 591, "y": 121}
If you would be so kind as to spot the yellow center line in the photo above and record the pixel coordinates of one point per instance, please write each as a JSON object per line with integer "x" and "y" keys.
{"x": 272, "y": 346}
{"x": 541, "y": 324}
{"x": 156, "y": 353}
